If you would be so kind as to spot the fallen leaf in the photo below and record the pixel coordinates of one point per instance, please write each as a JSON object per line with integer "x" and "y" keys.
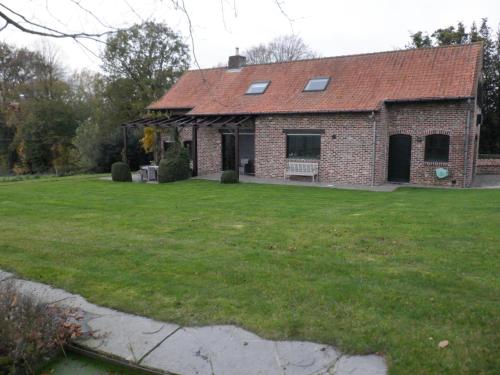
{"x": 443, "y": 344}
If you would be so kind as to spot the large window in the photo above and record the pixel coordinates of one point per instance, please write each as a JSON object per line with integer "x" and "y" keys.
{"x": 303, "y": 146}
{"x": 437, "y": 147}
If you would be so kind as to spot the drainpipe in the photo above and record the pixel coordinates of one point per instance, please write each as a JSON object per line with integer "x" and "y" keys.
{"x": 466, "y": 144}
{"x": 374, "y": 139}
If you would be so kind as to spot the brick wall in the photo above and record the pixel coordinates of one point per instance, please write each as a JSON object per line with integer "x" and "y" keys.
{"x": 209, "y": 151}
{"x": 382, "y": 146}
{"x": 185, "y": 134}
{"x": 421, "y": 119}
{"x": 347, "y": 159}
{"x": 347, "y": 143}
{"x": 166, "y": 136}
{"x": 209, "y": 148}
{"x": 488, "y": 166}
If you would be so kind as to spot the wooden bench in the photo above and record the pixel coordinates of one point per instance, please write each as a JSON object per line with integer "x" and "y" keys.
{"x": 302, "y": 169}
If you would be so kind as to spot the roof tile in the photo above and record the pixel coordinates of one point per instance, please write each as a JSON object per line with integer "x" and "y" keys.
{"x": 358, "y": 82}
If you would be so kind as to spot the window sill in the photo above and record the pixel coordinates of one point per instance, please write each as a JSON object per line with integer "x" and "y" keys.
{"x": 437, "y": 163}
{"x": 306, "y": 159}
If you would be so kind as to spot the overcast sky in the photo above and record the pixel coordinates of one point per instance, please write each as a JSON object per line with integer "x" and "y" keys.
{"x": 329, "y": 27}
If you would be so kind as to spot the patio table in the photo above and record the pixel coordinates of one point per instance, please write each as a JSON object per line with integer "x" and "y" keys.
{"x": 151, "y": 172}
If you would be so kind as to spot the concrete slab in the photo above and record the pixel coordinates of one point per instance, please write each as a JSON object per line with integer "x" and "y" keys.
{"x": 234, "y": 350}
{"x": 41, "y": 292}
{"x": 221, "y": 350}
{"x": 5, "y": 275}
{"x": 486, "y": 181}
{"x": 78, "y": 302}
{"x": 50, "y": 295}
{"x": 182, "y": 353}
{"x": 298, "y": 358}
{"x": 279, "y": 181}
{"x": 126, "y": 336}
{"x": 360, "y": 365}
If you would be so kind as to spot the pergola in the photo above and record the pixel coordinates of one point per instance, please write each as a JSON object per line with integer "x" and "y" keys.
{"x": 232, "y": 123}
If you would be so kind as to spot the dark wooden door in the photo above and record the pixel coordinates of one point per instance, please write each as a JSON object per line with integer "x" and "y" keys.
{"x": 399, "y": 158}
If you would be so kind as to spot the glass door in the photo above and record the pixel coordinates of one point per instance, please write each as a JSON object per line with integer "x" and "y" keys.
{"x": 228, "y": 152}
{"x": 247, "y": 152}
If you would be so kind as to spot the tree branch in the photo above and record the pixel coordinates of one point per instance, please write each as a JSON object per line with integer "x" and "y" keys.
{"x": 77, "y": 3}
{"x": 48, "y": 32}
{"x": 180, "y": 5}
{"x": 285, "y": 14}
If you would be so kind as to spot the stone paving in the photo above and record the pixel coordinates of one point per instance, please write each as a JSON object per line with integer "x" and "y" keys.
{"x": 281, "y": 181}
{"x": 212, "y": 350}
{"x": 487, "y": 181}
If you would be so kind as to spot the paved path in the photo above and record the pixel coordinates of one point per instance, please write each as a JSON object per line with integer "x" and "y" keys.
{"x": 212, "y": 350}
{"x": 281, "y": 181}
{"x": 487, "y": 181}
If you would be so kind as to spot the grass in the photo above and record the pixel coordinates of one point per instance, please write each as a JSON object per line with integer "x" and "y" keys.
{"x": 392, "y": 273}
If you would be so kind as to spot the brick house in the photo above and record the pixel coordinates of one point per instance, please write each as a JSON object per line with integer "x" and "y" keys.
{"x": 398, "y": 116}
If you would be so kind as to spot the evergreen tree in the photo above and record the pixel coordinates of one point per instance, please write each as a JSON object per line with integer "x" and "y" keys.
{"x": 490, "y": 130}
{"x": 474, "y": 34}
{"x": 420, "y": 40}
{"x": 490, "y": 136}
{"x": 451, "y": 36}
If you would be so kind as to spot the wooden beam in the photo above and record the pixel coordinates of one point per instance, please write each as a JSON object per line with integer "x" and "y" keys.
{"x": 237, "y": 151}
{"x": 184, "y": 120}
{"x": 242, "y": 120}
{"x": 210, "y": 122}
{"x": 194, "y": 149}
{"x": 156, "y": 150}
{"x": 227, "y": 121}
{"x": 125, "y": 141}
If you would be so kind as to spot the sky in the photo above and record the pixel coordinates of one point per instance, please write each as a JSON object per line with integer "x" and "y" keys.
{"x": 329, "y": 27}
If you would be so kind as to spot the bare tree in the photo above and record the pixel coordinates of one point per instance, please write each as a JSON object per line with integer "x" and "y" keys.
{"x": 50, "y": 67}
{"x": 283, "y": 48}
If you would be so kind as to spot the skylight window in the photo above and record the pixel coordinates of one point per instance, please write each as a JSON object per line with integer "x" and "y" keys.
{"x": 317, "y": 84}
{"x": 258, "y": 87}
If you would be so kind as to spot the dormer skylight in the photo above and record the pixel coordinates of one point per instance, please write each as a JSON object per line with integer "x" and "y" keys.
{"x": 317, "y": 84}
{"x": 257, "y": 87}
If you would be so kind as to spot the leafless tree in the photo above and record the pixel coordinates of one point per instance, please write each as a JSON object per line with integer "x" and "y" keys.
{"x": 284, "y": 48}
{"x": 50, "y": 67}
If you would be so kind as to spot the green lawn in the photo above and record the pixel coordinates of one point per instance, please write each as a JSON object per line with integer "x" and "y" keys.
{"x": 392, "y": 273}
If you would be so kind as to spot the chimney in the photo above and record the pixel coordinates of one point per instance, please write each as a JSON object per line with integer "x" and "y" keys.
{"x": 237, "y": 61}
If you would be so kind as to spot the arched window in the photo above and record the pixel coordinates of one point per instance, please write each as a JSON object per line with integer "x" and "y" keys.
{"x": 437, "y": 147}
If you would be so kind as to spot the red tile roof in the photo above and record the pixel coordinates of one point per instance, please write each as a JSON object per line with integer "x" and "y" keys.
{"x": 358, "y": 82}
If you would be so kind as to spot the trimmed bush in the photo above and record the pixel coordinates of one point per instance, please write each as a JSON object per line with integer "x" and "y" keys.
{"x": 121, "y": 172}
{"x": 175, "y": 166}
{"x": 229, "y": 177}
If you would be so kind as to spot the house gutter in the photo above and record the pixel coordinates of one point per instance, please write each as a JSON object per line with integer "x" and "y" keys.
{"x": 374, "y": 139}
{"x": 466, "y": 143}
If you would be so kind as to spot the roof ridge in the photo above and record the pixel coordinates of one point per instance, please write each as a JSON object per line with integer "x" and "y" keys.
{"x": 402, "y": 50}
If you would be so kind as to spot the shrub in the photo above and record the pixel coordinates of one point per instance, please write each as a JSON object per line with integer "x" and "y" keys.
{"x": 30, "y": 332}
{"x": 229, "y": 177}
{"x": 175, "y": 166}
{"x": 121, "y": 172}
